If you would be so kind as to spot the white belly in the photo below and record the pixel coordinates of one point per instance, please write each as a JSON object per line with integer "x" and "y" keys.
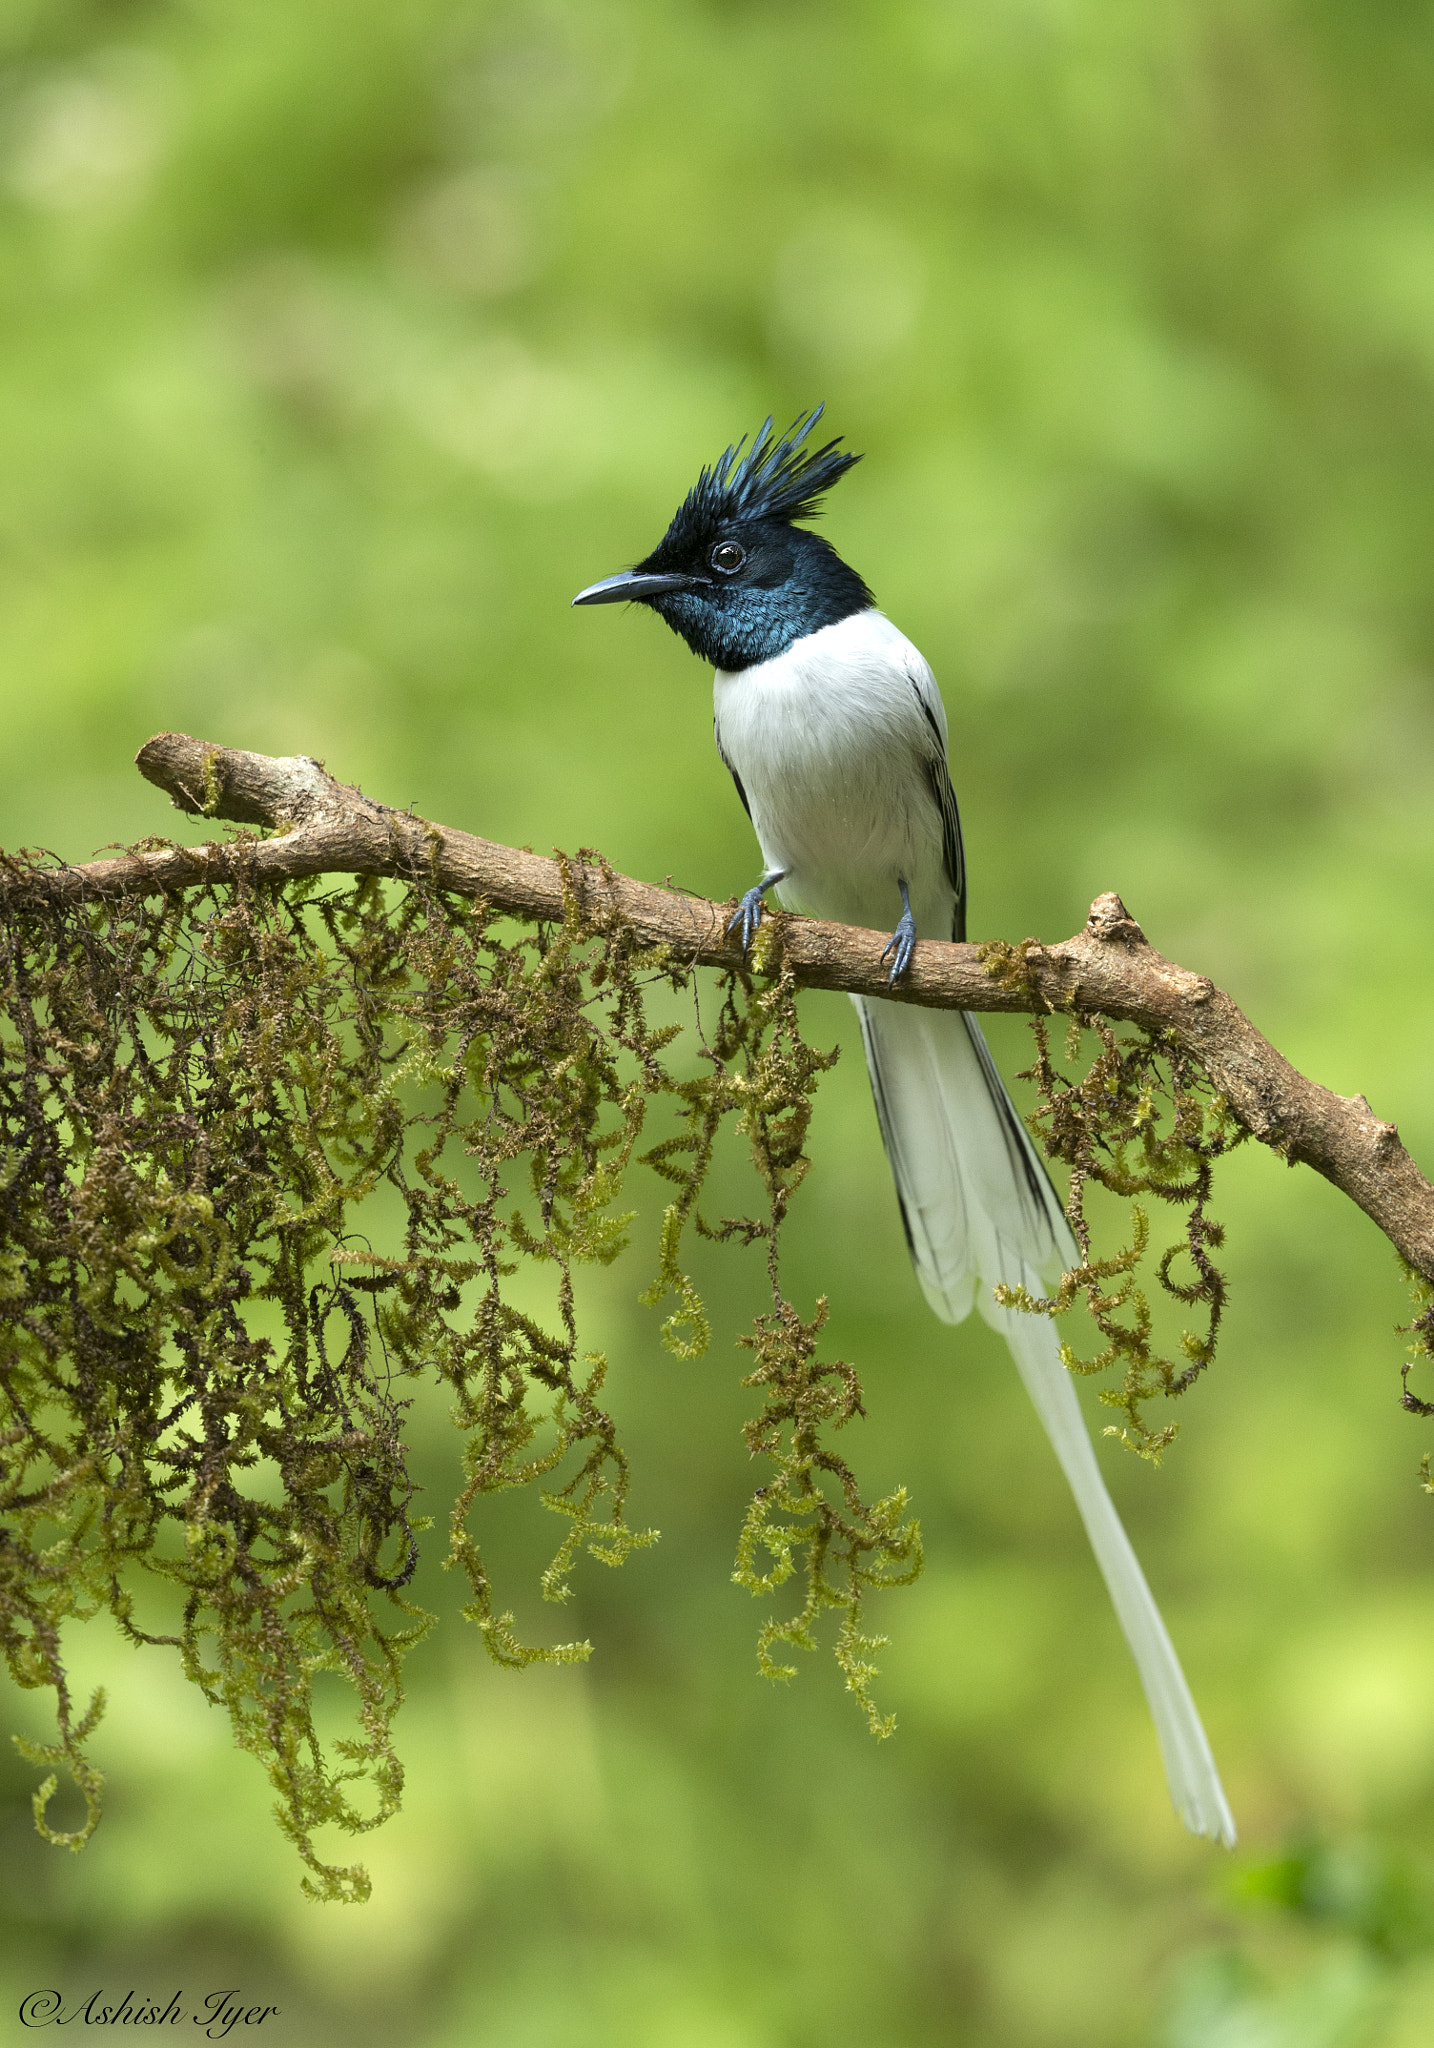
{"x": 830, "y": 743}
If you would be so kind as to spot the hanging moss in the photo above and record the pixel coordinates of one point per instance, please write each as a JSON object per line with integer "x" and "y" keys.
{"x": 1420, "y": 1331}
{"x": 1140, "y": 1118}
{"x": 203, "y": 1361}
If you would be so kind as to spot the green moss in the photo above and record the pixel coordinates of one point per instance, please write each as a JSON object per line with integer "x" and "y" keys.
{"x": 1142, "y": 1118}
{"x": 1420, "y": 1332}
{"x": 197, "y": 1097}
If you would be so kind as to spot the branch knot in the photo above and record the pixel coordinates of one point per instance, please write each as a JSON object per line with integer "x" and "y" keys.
{"x": 1111, "y": 924}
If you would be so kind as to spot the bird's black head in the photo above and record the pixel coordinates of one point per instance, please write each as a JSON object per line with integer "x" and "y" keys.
{"x": 732, "y": 574}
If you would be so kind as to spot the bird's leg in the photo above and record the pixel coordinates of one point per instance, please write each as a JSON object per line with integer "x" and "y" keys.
{"x": 903, "y": 940}
{"x": 748, "y": 913}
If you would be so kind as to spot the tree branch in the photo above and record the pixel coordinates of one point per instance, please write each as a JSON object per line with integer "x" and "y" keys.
{"x": 1109, "y": 969}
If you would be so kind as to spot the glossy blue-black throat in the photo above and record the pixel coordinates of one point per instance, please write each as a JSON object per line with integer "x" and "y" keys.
{"x": 789, "y": 582}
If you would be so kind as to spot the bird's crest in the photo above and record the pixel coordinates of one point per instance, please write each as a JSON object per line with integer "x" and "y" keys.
{"x": 775, "y": 479}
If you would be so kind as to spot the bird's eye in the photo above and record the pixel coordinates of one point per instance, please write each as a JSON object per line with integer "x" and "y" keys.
{"x": 728, "y": 557}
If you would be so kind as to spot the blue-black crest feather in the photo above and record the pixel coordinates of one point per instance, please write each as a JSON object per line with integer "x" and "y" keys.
{"x": 775, "y": 479}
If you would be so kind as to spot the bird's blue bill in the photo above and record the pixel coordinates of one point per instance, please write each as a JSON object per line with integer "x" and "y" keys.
{"x": 631, "y": 585}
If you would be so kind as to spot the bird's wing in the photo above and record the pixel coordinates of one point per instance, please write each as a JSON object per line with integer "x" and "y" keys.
{"x": 938, "y": 777}
{"x": 727, "y": 764}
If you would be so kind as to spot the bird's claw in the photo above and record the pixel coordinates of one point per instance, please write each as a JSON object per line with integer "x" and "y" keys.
{"x": 748, "y": 915}
{"x": 902, "y": 943}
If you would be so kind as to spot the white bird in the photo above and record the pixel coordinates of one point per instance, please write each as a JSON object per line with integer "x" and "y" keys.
{"x": 834, "y": 731}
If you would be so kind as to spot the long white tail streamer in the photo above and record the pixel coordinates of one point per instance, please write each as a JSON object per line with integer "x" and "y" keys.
{"x": 979, "y": 1210}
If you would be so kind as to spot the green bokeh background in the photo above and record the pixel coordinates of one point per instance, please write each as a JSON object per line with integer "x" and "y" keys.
{"x": 340, "y": 341}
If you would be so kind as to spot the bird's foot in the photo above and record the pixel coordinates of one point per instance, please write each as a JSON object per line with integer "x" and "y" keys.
{"x": 901, "y": 944}
{"x": 748, "y": 915}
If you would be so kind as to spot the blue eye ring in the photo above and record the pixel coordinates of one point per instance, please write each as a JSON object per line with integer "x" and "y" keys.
{"x": 728, "y": 557}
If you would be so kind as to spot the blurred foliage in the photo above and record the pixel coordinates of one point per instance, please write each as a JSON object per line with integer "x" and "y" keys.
{"x": 340, "y": 345}
{"x": 1373, "y": 1912}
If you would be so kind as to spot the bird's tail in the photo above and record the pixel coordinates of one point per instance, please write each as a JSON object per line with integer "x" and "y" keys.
{"x": 979, "y": 1209}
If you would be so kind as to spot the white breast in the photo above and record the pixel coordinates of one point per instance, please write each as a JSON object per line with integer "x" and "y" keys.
{"x": 831, "y": 744}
